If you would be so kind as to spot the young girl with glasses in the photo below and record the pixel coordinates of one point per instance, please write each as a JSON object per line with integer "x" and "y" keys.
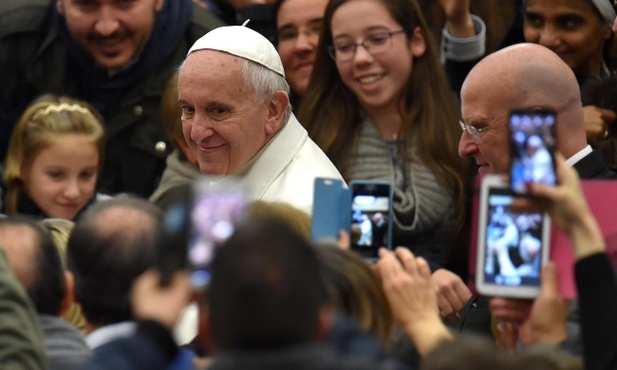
{"x": 378, "y": 104}
{"x": 54, "y": 157}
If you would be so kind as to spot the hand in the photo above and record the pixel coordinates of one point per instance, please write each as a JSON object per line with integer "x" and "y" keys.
{"x": 597, "y": 122}
{"x": 458, "y": 17}
{"x": 452, "y": 293}
{"x": 549, "y": 313}
{"x": 407, "y": 285}
{"x": 150, "y": 301}
{"x": 344, "y": 241}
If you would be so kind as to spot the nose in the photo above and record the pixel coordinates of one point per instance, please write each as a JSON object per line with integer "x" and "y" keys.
{"x": 362, "y": 56}
{"x": 72, "y": 190}
{"x": 467, "y": 146}
{"x": 107, "y": 22}
{"x": 549, "y": 37}
{"x": 200, "y": 130}
{"x": 306, "y": 41}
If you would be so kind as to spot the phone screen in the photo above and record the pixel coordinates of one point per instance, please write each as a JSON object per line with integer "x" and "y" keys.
{"x": 215, "y": 210}
{"x": 371, "y": 206}
{"x": 514, "y": 243}
{"x": 532, "y": 148}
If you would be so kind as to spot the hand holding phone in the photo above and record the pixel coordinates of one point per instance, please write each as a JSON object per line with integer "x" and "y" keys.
{"x": 512, "y": 245}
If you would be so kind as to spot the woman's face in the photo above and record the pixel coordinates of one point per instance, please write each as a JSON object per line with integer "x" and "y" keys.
{"x": 570, "y": 28}
{"x": 61, "y": 178}
{"x": 377, "y": 79}
{"x": 298, "y": 25}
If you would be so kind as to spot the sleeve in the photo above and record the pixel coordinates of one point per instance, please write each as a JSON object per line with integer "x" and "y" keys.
{"x": 460, "y": 55}
{"x": 597, "y": 297}
{"x": 21, "y": 340}
{"x": 152, "y": 348}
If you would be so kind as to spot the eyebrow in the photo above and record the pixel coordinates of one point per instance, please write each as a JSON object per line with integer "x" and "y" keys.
{"x": 288, "y": 26}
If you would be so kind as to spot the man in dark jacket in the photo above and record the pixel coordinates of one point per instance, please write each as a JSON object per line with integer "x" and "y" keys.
{"x": 116, "y": 55}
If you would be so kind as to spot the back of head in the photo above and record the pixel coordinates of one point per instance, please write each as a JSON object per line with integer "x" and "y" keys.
{"x": 266, "y": 290}
{"x": 44, "y": 122}
{"x": 356, "y": 291}
{"x": 112, "y": 244}
{"x": 529, "y": 76}
{"x": 42, "y": 275}
{"x": 468, "y": 352}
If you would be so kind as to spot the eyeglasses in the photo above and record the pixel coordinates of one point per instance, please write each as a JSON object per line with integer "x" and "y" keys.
{"x": 375, "y": 43}
{"x": 474, "y": 131}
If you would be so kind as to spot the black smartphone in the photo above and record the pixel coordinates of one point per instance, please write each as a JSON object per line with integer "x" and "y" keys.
{"x": 371, "y": 217}
{"x": 532, "y": 148}
{"x": 512, "y": 245}
{"x": 216, "y": 207}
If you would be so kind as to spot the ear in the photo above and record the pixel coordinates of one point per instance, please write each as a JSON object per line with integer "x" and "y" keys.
{"x": 60, "y": 6}
{"x": 159, "y": 5}
{"x": 69, "y": 293}
{"x": 417, "y": 44}
{"x": 607, "y": 30}
{"x": 277, "y": 106}
{"x": 325, "y": 321}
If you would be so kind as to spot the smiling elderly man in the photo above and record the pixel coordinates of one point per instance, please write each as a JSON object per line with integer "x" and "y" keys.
{"x": 237, "y": 119}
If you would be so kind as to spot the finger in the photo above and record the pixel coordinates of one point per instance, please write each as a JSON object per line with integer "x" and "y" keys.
{"x": 445, "y": 307}
{"x": 424, "y": 269}
{"x": 608, "y": 116}
{"x": 464, "y": 295}
{"x": 344, "y": 241}
{"x": 408, "y": 260}
{"x": 549, "y": 283}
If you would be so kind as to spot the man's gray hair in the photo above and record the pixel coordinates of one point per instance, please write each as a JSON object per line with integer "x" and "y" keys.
{"x": 264, "y": 83}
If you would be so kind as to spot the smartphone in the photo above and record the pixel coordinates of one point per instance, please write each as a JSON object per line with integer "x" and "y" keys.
{"x": 216, "y": 207}
{"x": 512, "y": 244}
{"x": 532, "y": 148}
{"x": 371, "y": 217}
{"x": 329, "y": 197}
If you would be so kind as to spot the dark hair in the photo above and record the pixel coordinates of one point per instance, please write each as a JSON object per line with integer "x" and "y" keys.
{"x": 266, "y": 290}
{"x": 48, "y": 287}
{"x": 330, "y": 111}
{"x": 106, "y": 254}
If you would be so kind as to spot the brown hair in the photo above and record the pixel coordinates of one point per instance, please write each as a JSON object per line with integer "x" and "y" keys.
{"x": 330, "y": 111}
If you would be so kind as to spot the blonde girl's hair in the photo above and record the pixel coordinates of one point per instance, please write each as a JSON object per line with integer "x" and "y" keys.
{"x": 41, "y": 124}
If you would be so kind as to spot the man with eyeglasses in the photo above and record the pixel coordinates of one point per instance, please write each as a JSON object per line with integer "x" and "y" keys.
{"x": 518, "y": 77}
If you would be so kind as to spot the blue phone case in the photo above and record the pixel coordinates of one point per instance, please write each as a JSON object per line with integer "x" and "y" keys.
{"x": 331, "y": 200}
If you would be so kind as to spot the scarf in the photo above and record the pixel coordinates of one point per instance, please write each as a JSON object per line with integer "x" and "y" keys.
{"x": 423, "y": 210}
{"x": 102, "y": 89}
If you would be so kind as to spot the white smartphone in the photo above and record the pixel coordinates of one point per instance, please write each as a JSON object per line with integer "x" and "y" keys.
{"x": 512, "y": 245}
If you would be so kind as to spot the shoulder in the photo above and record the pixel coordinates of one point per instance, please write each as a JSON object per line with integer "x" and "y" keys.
{"x": 23, "y": 15}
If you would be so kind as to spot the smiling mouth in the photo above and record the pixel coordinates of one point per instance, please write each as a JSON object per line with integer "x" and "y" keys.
{"x": 367, "y": 80}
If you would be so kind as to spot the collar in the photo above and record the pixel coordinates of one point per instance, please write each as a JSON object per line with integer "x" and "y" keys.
{"x": 108, "y": 333}
{"x": 578, "y": 156}
{"x": 274, "y": 157}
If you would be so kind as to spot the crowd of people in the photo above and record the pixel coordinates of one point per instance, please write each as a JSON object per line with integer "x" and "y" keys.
{"x": 113, "y": 112}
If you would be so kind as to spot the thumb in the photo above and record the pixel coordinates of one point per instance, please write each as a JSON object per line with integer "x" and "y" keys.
{"x": 549, "y": 284}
